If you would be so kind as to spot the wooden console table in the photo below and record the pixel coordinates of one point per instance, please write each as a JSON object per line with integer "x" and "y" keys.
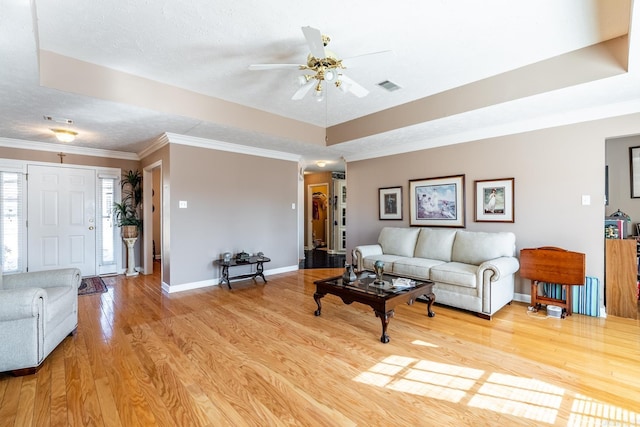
{"x": 254, "y": 260}
{"x": 554, "y": 266}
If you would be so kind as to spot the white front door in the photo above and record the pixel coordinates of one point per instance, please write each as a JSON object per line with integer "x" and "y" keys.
{"x": 61, "y": 218}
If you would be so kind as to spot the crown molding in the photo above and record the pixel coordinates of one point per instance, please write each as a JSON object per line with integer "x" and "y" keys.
{"x": 160, "y": 142}
{"x": 233, "y": 148}
{"x": 69, "y": 149}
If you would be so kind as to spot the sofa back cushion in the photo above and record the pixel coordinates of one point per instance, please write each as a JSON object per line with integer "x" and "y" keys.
{"x": 473, "y": 247}
{"x": 398, "y": 241}
{"x": 435, "y": 244}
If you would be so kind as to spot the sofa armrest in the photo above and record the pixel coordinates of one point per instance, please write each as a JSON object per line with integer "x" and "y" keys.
{"x": 359, "y": 252}
{"x": 43, "y": 279}
{"x": 21, "y": 303}
{"x": 499, "y": 267}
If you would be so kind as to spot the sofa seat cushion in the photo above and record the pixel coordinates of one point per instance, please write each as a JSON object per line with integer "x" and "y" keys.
{"x": 455, "y": 273}
{"x": 398, "y": 241}
{"x": 59, "y": 299}
{"x": 414, "y": 267}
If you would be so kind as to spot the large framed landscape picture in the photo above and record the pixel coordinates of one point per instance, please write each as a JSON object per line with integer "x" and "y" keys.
{"x": 437, "y": 202}
{"x": 494, "y": 200}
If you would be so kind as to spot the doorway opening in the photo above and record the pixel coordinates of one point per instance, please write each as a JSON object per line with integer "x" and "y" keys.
{"x": 317, "y": 232}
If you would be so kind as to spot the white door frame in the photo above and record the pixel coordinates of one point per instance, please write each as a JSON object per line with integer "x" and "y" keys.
{"x": 147, "y": 217}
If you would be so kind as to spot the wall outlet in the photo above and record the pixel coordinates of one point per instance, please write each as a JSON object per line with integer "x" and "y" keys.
{"x": 182, "y": 204}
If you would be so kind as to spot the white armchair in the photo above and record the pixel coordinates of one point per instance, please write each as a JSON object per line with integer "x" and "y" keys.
{"x": 37, "y": 311}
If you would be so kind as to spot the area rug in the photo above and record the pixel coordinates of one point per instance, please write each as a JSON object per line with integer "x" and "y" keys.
{"x": 92, "y": 285}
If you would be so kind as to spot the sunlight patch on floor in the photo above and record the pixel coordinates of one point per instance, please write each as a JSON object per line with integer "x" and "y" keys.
{"x": 522, "y": 397}
{"x": 589, "y": 412}
{"x": 424, "y": 343}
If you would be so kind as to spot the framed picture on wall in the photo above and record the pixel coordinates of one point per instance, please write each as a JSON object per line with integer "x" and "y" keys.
{"x": 390, "y": 203}
{"x": 437, "y": 202}
{"x": 494, "y": 200}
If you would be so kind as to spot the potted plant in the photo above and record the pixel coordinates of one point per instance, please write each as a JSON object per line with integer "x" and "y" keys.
{"x": 126, "y": 213}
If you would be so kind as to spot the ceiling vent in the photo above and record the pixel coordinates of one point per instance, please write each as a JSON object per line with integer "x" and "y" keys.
{"x": 390, "y": 86}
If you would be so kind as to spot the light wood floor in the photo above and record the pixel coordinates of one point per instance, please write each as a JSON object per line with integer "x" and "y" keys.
{"x": 256, "y": 355}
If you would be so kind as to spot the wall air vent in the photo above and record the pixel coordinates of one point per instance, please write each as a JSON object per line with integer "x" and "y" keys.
{"x": 390, "y": 86}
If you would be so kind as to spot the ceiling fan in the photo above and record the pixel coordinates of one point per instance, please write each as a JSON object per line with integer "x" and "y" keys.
{"x": 322, "y": 66}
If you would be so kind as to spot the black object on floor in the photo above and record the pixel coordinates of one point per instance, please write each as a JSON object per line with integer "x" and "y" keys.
{"x": 321, "y": 259}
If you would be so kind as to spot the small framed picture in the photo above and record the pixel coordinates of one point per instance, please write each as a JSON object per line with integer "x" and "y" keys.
{"x": 494, "y": 200}
{"x": 437, "y": 202}
{"x": 390, "y": 201}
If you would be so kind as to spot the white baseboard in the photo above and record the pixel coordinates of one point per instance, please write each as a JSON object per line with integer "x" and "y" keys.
{"x": 526, "y": 298}
{"x": 215, "y": 282}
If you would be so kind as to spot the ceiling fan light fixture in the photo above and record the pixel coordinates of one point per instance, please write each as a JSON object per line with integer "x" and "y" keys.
{"x": 329, "y": 75}
{"x": 64, "y": 135}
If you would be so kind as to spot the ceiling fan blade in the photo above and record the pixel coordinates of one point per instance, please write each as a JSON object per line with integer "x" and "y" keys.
{"x": 354, "y": 61}
{"x": 314, "y": 40}
{"x": 354, "y": 87}
{"x": 300, "y": 93}
{"x": 274, "y": 66}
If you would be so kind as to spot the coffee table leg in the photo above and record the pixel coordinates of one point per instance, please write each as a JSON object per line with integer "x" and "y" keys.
{"x": 317, "y": 298}
{"x": 431, "y": 298}
{"x": 384, "y": 319}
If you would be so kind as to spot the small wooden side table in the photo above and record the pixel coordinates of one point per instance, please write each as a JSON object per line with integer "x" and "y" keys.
{"x": 555, "y": 266}
{"x": 258, "y": 261}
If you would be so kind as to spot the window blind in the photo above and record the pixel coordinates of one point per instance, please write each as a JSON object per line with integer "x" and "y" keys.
{"x": 13, "y": 221}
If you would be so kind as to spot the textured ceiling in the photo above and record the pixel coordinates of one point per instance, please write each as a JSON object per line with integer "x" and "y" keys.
{"x": 205, "y": 48}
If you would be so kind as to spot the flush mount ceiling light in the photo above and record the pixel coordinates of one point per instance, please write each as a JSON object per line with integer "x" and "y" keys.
{"x": 321, "y": 164}
{"x": 64, "y": 135}
{"x": 322, "y": 65}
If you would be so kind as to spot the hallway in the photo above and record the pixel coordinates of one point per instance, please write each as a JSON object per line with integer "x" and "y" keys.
{"x": 319, "y": 258}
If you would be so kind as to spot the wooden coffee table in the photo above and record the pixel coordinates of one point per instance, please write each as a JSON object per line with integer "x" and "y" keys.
{"x": 382, "y": 299}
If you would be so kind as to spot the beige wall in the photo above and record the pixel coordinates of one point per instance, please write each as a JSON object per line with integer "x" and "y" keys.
{"x": 552, "y": 168}
{"x": 235, "y": 202}
{"x": 72, "y": 159}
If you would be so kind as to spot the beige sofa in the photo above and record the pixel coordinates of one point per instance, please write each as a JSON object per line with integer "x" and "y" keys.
{"x": 471, "y": 270}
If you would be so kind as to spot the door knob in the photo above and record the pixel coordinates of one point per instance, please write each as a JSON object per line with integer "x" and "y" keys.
{"x": 91, "y": 228}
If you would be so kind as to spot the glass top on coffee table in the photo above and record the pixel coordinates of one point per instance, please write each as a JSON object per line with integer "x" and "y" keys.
{"x": 367, "y": 283}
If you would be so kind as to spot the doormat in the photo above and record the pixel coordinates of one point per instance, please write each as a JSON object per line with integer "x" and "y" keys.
{"x": 92, "y": 285}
